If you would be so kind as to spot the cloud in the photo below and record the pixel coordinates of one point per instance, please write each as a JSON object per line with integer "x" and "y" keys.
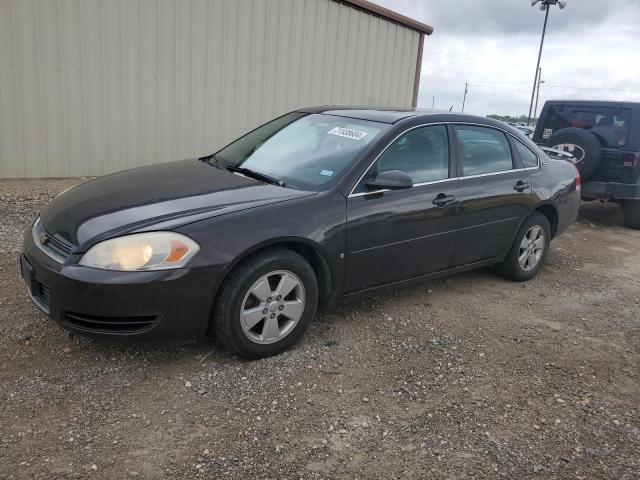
{"x": 486, "y": 17}
{"x": 592, "y": 50}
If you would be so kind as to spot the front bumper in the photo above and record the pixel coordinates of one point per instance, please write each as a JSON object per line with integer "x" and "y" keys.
{"x": 154, "y": 306}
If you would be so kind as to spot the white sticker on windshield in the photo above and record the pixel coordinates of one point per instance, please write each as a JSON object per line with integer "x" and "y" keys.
{"x": 347, "y": 132}
{"x": 326, "y": 173}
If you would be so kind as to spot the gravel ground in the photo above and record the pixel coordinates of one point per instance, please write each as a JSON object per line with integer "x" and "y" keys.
{"x": 466, "y": 377}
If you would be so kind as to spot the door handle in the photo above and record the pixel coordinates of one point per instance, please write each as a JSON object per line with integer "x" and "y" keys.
{"x": 521, "y": 186}
{"x": 443, "y": 200}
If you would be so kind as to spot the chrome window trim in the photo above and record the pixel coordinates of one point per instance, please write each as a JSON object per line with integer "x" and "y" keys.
{"x": 490, "y": 174}
{"x": 421, "y": 184}
{"x": 372, "y": 192}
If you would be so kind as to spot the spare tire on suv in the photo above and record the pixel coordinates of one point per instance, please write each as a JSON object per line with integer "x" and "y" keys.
{"x": 582, "y": 144}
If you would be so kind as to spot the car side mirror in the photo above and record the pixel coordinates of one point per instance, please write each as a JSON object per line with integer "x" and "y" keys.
{"x": 390, "y": 180}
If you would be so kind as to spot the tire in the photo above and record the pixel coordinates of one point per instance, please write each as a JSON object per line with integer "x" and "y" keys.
{"x": 581, "y": 143}
{"x": 511, "y": 266}
{"x": 631, "y": 212}
{"x": 250, "y": 288}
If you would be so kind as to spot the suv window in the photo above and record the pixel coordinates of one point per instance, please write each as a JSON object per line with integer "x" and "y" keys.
{"x": 610, "y": 124}
{"x": 484, "y": 150}
{"x": 529, "y": 159}
{"x": 421, "y": 153}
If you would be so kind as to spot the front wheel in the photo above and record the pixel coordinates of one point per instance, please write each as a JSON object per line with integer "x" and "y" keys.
{"x": 266, "y": 304}
{"x": 529, "y": 250}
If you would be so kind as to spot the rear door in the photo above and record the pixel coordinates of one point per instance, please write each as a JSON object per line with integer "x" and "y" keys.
{"x": 495, "y": 194}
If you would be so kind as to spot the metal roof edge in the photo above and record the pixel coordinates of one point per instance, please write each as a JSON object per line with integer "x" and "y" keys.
{"x": 389, "y": 15}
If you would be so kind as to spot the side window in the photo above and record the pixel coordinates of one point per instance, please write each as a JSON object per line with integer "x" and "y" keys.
{"x": 421, "y": 153}
{"x": 529, "y": 159}
{"x": 484, "y": 150}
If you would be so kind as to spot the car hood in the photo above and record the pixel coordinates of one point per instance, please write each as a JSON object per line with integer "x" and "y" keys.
{"x": 163, "y": 196}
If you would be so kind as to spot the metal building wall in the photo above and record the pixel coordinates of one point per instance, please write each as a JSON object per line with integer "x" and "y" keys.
{"x": 89, "y": 87}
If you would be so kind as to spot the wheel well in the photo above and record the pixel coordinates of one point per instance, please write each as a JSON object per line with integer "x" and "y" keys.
{"x": 552, "y": 215}
{"x": 315, "y": 258}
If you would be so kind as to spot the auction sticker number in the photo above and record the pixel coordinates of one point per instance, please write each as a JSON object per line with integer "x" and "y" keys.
{"x": 347, "y": 132}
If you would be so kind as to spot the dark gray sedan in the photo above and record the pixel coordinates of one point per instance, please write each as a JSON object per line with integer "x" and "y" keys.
{"x": 320, "y": 204}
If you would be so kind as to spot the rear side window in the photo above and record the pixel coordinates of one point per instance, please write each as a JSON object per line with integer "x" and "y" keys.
{"x": 484, "y": 150}
{"x": 610, "y": 124}
{"x": 529, "y": 159}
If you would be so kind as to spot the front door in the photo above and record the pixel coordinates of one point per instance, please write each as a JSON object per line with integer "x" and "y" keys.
{"x": 393, "y": 235}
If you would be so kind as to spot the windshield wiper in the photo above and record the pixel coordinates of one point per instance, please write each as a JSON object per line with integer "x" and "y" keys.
{"x": 257, "y": 175}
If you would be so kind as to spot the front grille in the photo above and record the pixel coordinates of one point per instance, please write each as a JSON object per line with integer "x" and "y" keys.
{"x": 101, "y": 324}
{"x": 45, "y": 295}
{"x": 58, "y": 246}
{"x": 54, "y": 247}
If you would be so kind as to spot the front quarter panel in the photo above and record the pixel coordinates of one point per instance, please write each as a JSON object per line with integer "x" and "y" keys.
{"x": 317, "y": 220}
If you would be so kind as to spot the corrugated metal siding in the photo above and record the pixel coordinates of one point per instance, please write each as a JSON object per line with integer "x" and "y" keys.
{"x": 89, "y": 87}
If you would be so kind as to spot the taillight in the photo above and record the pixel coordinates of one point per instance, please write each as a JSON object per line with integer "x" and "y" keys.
{"x": 578, "y": 179}
{"x": 631, "y": 159}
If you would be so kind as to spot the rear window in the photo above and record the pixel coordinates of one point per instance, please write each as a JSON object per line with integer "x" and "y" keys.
{"x": 610, "y": 124}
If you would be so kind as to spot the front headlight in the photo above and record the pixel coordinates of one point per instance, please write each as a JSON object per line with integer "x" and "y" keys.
{"x": 141, "y": 251}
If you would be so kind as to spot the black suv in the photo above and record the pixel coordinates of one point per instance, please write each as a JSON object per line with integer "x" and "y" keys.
{"x": 604, "y": 139}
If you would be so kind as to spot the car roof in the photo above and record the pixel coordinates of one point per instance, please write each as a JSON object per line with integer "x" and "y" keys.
{"x": 395, "y": 115}
{"x": 383, "y": 115}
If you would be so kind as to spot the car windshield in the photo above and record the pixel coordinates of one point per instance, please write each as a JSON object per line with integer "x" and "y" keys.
{"x": 300, "y": 150}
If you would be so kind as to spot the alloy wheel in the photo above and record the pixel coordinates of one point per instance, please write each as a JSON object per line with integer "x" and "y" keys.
{"x": 531, "y": 248}
{"x": 272, "y": 307}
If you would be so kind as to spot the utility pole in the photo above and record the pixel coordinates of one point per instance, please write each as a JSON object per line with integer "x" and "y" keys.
{"x": 433, "y": 102}
{"x": 540, "y": 81}
{"x": 464, "y": 99}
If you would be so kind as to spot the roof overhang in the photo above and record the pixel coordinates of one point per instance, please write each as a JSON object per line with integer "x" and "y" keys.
{"x": 390, "y": 15}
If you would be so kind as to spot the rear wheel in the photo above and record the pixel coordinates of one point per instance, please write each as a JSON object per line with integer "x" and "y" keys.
{"x": 266, "y": 304}
{"x": 631, "y": 211}
{"x": 529, "y": 250}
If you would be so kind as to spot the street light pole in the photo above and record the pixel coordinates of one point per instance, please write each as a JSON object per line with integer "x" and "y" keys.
{"x": 540, "y": 81}
{"x": 535, "y": 80}
{"x": 546, "y": 6}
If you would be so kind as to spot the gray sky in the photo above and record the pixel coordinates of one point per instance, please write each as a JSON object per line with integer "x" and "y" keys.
{"x": 592, "y": 46}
